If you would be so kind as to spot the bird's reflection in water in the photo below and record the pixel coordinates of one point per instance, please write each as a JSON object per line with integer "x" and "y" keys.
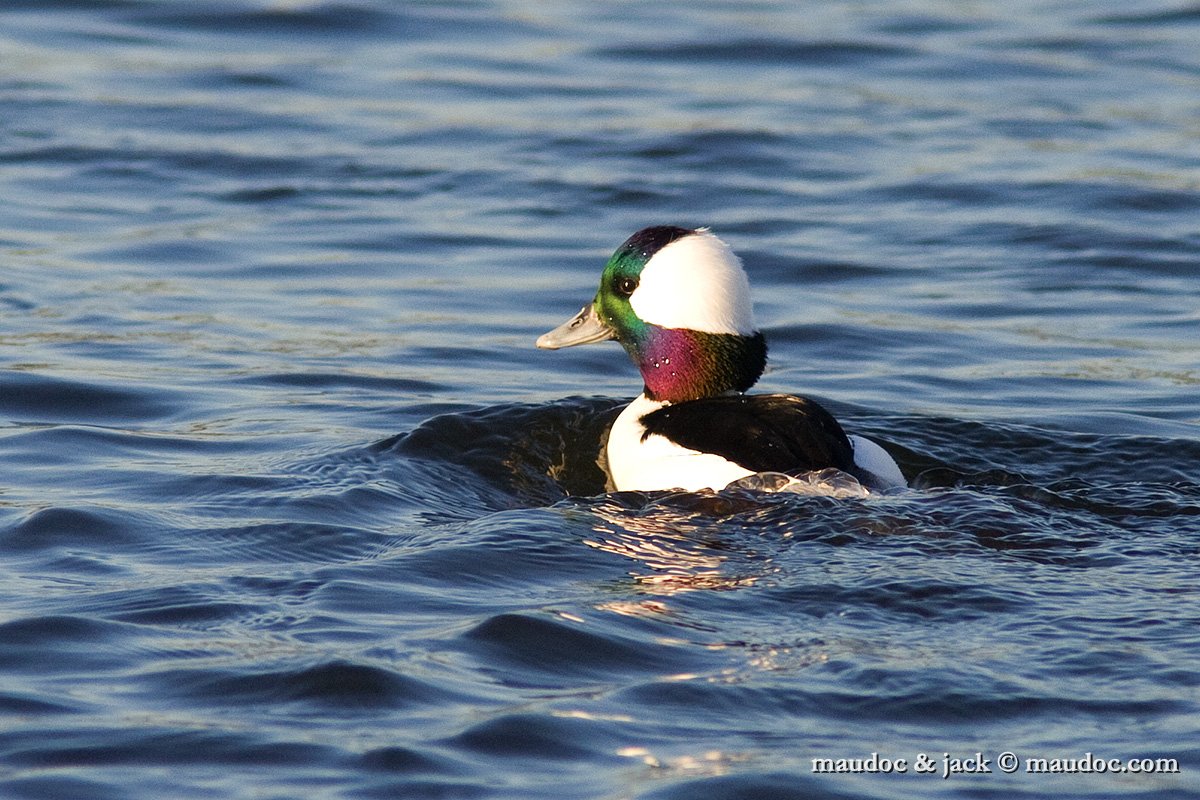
{"x": 680, "y": 543}
{"x": 686, "y": 542}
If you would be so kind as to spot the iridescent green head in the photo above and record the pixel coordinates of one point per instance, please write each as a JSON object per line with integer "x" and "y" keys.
{"x": 679, "y": 303}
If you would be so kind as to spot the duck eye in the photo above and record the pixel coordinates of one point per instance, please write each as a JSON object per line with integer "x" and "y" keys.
{"x": 626, "y": 286}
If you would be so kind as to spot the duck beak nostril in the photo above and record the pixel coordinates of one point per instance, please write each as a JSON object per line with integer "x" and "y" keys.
{"x": 583, "y": 328}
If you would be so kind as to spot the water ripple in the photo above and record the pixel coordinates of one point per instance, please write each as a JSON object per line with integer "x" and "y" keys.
{"x": 290, "y": 506}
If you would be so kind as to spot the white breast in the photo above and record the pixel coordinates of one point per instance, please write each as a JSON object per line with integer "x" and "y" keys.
{"x": 658, "y": 463}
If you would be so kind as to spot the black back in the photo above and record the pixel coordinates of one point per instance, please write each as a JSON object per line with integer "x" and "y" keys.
{"x": 763, "y": 432}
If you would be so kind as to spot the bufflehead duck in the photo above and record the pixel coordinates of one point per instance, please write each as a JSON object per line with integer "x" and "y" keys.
{"x": 678, "y": 301}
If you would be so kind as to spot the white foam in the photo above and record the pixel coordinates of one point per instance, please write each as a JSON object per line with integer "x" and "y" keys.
{"x": 822, "y": 483}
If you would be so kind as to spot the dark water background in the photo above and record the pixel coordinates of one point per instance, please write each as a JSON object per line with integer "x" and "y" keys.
{"x": 290, "y": 506}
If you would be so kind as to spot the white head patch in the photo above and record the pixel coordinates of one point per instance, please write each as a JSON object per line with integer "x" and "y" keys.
{"x": 697, "y": 283}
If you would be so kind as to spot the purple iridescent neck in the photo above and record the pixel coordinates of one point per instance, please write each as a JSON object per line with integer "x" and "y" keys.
{"x": 678, "y": 364}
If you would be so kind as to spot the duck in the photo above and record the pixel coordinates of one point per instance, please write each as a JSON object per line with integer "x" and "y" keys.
{"x": 678, "y": 301}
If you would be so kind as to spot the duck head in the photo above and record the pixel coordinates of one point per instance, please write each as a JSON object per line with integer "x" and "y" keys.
{"x": 678, "y": 301}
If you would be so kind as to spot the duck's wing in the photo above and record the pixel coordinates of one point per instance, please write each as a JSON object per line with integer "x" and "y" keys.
{"x": 763, "y": 433}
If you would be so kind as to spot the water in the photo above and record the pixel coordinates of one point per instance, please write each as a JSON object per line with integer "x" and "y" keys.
{"x": 291, "y": 507}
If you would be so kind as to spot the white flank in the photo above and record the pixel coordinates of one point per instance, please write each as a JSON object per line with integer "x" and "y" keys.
{"x": 697, "y": 283}
{"x": 658, "y": 464}
{"x": 875, "y": 460}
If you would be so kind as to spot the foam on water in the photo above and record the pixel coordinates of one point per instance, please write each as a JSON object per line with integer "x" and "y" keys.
{"x": 832, "y": 482}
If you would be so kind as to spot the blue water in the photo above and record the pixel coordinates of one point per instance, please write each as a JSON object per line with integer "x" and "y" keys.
{"x": 291, "y": 507}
